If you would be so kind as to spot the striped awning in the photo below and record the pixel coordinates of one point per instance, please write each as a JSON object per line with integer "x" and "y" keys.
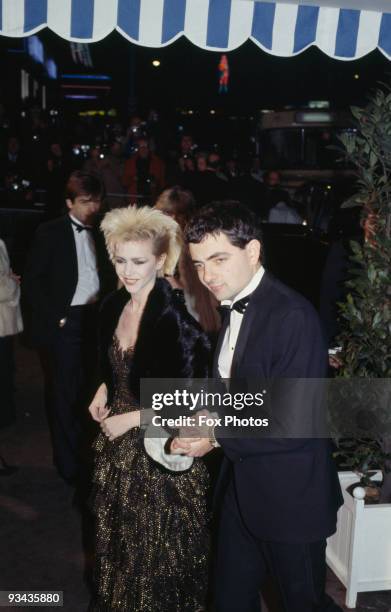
{"x": 282, "y": 29}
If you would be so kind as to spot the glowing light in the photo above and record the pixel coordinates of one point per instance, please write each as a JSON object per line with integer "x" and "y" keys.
{"x": 156, "y": 63}
{"x": 87, "y": 77}
{"x": 81, "y": 97}
{"x": 223, "y": 74}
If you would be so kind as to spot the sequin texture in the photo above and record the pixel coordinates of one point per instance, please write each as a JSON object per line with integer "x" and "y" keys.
{"x": 151, "y": 524}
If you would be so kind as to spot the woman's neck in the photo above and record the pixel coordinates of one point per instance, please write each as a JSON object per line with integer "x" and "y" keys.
{"x": 139, "y": 300}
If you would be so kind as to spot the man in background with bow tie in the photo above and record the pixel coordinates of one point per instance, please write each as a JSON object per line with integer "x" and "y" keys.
{"x": 278, "y": 497}
{"x": 66, "y": 274}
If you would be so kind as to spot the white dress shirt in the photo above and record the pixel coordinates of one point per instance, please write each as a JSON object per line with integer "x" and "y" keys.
{"x": 87, "y": 288}
{"x": 282, "y": 213}
{"x": 231, "y": 335}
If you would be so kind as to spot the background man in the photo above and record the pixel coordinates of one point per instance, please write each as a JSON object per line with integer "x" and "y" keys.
{"x": 279, "y": 496}
{"x": 67, "y": 271}
{"x": 144, "y": 172}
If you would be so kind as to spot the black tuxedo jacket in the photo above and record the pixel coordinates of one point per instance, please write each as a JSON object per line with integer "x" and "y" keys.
{"x": 287, "y": 489}
{"x": 51, "y": 275}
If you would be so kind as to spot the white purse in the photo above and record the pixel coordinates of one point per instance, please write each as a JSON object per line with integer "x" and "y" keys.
{"x": 155, "y": 440}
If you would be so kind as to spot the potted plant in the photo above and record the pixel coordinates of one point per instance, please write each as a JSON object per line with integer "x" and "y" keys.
{"x": 360, "y": 552}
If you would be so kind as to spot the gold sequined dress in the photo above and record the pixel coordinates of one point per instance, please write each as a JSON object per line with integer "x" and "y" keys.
{"x": 151, "y": 524}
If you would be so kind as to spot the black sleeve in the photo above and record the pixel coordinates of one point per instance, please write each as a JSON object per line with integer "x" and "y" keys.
{"x": 36, "y": 278}
{"x": 103, "y": 368}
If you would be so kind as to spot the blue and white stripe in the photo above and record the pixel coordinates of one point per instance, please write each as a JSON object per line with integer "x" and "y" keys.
{"x": 219, "y": 25}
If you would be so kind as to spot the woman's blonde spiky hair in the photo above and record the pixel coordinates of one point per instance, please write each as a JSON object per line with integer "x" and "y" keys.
{"x": 136, "y": 224}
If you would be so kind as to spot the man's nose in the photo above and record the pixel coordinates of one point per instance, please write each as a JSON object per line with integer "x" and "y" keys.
{"x": 207, "y": 275}
{"x": 94, "y": 207}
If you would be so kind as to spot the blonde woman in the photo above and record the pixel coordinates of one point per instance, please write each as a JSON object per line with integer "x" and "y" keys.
{"x": 151, "y": 532}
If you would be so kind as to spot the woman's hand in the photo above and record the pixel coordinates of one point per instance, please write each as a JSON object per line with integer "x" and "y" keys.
{"x": 98, "y": 407}
{"x": 117, "y": 425}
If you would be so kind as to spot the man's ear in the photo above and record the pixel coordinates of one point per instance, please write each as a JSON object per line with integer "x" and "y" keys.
{"x": 254, "y": 251}
{"x": 69, "y": 203}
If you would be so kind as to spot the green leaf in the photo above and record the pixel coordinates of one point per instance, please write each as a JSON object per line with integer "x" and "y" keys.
{"x": 373, "y": 159}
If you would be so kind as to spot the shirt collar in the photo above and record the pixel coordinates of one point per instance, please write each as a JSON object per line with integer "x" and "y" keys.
{"x": 77, "y": 222}
{"x": 252, "y": 285}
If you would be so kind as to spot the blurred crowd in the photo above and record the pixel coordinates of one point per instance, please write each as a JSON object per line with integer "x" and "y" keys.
{"x": 135, "y": 162}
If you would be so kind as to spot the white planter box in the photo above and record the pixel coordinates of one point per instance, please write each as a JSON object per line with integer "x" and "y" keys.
{"x": 359, "y": 553}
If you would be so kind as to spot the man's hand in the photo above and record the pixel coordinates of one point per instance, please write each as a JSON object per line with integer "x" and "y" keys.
{"x": 199, "y": 429}
{"x": 335, "y": 358}
{"x": 193, "y": 441}
{"x": 191, "y": 447}
{"x": 180, "y": 446}
{"x": 119, "y": 424}
{"x": 199, "y": 448}
{"x": 335, "y": 362}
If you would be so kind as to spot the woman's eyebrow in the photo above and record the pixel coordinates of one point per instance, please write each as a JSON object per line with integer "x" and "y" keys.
{"x": 131, "y": 258}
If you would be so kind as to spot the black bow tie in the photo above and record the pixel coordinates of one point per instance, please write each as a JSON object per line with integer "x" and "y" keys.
{"x": 80, "y": 227}
{"x": 240, "y": 306}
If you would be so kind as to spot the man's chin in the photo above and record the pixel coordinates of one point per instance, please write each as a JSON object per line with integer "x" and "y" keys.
{"x": 219, "y": 294}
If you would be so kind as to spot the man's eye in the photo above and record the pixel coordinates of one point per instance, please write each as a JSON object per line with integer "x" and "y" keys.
{"x": 220, "y": 259}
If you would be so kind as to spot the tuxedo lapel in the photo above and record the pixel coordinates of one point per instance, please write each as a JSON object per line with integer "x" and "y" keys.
{"x": 70, "y": 237}
{"x": 223, "y": 329}
{"x": 245, "y": 329}
{"x": 255, "y": 310}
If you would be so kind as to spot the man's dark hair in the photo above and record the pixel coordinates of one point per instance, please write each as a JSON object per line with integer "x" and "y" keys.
{"x": 84, "y": 184}
{"x": 231, "y": 218}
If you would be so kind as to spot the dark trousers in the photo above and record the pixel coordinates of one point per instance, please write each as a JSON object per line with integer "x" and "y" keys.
{"x": 243, "y": 563}
{"x": 7, "y": 370}
{"x": 69, "y": 363}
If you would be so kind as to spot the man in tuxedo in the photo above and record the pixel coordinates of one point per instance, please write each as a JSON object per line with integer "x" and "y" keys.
{"x": 66, "y": 274}
{"x": 278, "y": 497}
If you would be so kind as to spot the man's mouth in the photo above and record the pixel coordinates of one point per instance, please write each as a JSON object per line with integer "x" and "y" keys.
{"x": 215, "y": 287}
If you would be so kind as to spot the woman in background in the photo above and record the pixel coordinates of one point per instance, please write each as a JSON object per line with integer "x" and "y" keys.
{"x": 180, "y": 205}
